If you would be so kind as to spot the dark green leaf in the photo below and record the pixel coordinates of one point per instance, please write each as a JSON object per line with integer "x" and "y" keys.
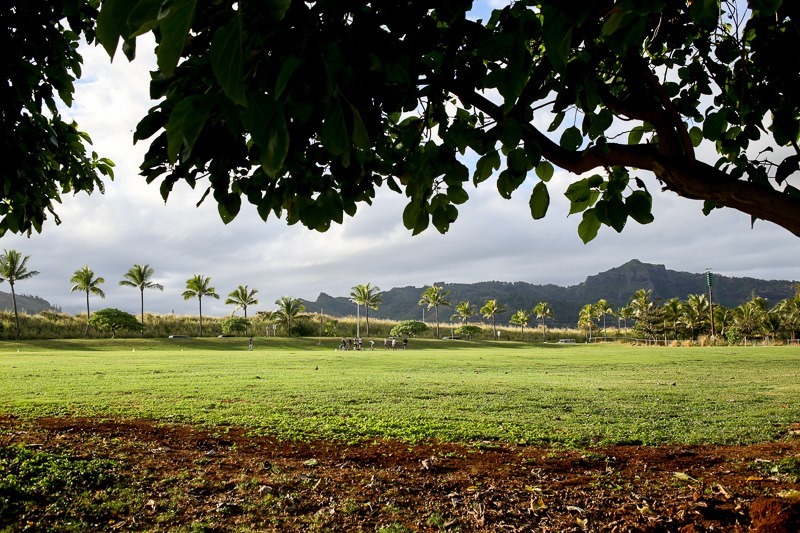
{"x": 334, "y": 131}
{"x": 174, "y": 30}
{"x": 457, "y": 195}
{"x": 360, "y": 135}
{"x": 696, "y": 135}
{"x": 540, "y": 201}
{"x": 639, "y": 205}
{"x": 287, "y": 69}
{"x": 184, "y": 125}
{"x": 544, "y": 170}
{"x": 267, "y": 124}
{"x": 226, "y": 60}
{"x": 587, "y": 229}
{"x": 278, "y": 8}
{"x": 635, "y": 135}
{"x": 571, "y": 139}
{"x": 556, "y": 121}
{"x": 486, "y": 165}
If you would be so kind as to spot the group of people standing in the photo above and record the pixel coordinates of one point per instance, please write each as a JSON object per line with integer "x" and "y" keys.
{"x": 357, "y": 343}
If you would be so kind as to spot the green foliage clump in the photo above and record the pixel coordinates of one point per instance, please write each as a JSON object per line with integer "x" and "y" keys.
{"x": 29, "y": 477}
{"x": 468, "y": 330}
{"x": 235, "y": 325}
{"x": 409, "y": 328}
{"x": 113, "y": 320}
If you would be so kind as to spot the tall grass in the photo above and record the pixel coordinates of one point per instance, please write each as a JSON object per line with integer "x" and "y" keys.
{"x": 53, "y": 325}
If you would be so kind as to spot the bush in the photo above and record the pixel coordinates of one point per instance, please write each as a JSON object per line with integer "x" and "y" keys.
{"x": 234, "y": 325}
{"x": 409, "y": 328}
{"x": 468, "y": 330}
{"x": 112, "y": 320}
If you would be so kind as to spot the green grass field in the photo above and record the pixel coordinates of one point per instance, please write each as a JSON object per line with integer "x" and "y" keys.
{"x": 451, "y": 390}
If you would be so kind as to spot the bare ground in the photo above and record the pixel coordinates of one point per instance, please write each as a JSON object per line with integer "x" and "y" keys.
{"x": 185, "y": 477}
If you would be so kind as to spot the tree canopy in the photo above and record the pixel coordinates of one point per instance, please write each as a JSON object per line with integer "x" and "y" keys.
{"x": 303, "y": 109}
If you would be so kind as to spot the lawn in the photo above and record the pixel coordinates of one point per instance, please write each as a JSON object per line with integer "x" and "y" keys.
{"x": 449, "y": 390}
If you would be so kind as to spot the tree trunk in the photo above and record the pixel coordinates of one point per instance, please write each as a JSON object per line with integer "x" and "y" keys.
{"x": 88, "y": 315}
{"x": 200, "y": 302}
{"x": 142, "y": 291}
{"x": 14, "y": 300}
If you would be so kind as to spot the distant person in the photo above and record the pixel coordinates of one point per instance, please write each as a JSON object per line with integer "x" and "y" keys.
{"x": 385, "y": 343}
{"x": 372, "y": 344}
{"x": 405, "y": 343}
{"x": 349, "y": 344}
{"x": 343, "y": 344}
{"x": 251, "y": 344}
{"x": 394, "y": 343}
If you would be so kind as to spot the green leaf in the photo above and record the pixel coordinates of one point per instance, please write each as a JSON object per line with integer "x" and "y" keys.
{"x": 587, "y": 229}
{"x": 143, "y": 17}
{"x": 714, "y": 125}
{"x": 278, "y": 8}
{"x": 583, "y": 193}
{"x": 600, "y": 123}
{"x": 287, "y": 69}
{"x": 508, "y": 182}
{"x": 571, "y": 139}
{"x": 229, "y": 208}
{"x": 111, "y": 23}
{"x": 635, "y": 135}
{"x": 486, "y": 165}
{"x": 360, "y": 135}
{"x": 185, "y": 124}
{"x": 174, "y": 30}
{"x": 544, "y": 170}
{"x": 556, "y": 121}
{"x": 268, "y": 127}
{"x": 334, "y": 131}
{"x": 696, "y": 135}
{"x": 540, "y": 201}
{"x": 226, "y": 60}
{"x": 457, "y": 195}
{"x": 639, "y": 205}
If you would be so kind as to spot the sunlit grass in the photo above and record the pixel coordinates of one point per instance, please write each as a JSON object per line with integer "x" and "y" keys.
{"x": 304, "y": 388}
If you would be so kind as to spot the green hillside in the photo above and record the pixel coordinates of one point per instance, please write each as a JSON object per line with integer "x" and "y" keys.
{"x": 615, "y": 285}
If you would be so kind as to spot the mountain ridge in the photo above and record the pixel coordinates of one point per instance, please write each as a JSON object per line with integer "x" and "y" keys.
{"x": 615, "y": 285}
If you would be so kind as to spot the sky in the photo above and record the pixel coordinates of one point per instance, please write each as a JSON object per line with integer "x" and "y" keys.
{"x": 493, "y": 238}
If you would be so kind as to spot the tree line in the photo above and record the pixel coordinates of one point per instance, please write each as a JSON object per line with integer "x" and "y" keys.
{"x": 13, "y": 268}
{"x": 673, "y": 319}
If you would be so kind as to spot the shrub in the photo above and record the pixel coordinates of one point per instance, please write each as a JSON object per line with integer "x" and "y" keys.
{"x": 234, "y": 325}
{"x": 112, "y": 320}
{"x": 408, "y": 328}
{"x": 468, "y": 330}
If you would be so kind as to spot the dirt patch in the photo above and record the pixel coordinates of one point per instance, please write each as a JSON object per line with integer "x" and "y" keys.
{"x": 223, "y": 479}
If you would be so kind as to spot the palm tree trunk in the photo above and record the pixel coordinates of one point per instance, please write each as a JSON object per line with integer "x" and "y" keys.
{"x": 437, "y": 321}
{"x": 88, "y": 315}
{"x": 366, "y": 316}
{"x": 200, "y": 301}
{"x": 142, "y": 291}
{"x": 14, "y": 300}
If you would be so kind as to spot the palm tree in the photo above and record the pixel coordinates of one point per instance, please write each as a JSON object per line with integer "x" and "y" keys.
{"x": 83, "y": 280}
{"x": 696, "y": 313}
{"x": 288, "y": 309}
{"x": 435, "y": 297}
{"x": 139, "y": 276}
{"x": 463, "y": 312}
{"x": 196, "y": 287}
{"x": 624, "y": 314}
{"x": 490, "y": 310}
{"x": 13, "y": 269}
{"x": 368, "y": 296}
{"x": 242, "y": 297}
{"x": 586, "y": 319}
{"x": 520, "y": 318}
{"x": 543, "y": 311}
{"x": 602, "y": 309}
{"x": 673, "y": 309}
{"x": 640, "y": 303}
